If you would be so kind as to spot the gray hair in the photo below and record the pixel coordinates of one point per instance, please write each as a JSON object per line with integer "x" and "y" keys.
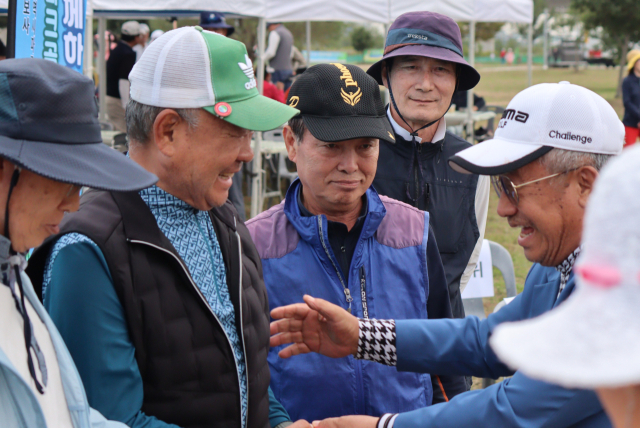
{"x": 140, "y": 118}
{"x": 560, "y": 160}
{"x": 297, "y": 127}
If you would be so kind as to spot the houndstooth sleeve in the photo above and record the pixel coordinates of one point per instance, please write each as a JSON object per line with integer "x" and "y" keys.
{"x": 377, "y": 341}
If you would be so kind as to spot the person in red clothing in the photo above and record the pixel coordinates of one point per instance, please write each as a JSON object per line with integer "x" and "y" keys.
{"x": 269, "y": 89}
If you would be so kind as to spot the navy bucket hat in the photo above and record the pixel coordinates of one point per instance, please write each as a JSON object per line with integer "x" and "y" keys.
{"x": 49, "y": 126}
{"x": 211, "y": 20}
{"x": 427, "y": 34}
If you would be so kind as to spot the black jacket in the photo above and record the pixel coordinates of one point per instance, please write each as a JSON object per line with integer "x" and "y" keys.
{"x": 185, "y": 359}
{"x": 419, "y": 175}
{"x": 631, "y": 100}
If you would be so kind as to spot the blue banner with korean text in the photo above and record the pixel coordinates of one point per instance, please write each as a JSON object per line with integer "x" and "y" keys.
{"x": 52, "y": 30}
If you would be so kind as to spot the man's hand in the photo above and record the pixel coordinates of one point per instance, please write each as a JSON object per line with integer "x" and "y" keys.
{"x": 347, "y": 422}
{"x": 317, "y": 326}
{"x": 300, "y": 423}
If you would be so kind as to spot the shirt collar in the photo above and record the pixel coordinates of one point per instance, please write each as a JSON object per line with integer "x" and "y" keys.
{"x": 406, "y": 135}
{"x": 566, "y": 267}
{"x": 304, "y": 212}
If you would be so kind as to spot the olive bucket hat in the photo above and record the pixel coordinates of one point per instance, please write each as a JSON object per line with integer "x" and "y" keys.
{"x": 49, "y": 126}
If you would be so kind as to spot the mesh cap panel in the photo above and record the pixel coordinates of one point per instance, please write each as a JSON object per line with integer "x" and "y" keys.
{"x": 174, "y": 72}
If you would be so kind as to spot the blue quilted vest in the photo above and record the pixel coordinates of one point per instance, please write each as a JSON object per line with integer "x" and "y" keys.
{"x": 387, "y": 280}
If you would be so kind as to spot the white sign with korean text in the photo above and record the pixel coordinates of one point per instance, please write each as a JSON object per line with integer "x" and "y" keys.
{"x": 481, "y": 282}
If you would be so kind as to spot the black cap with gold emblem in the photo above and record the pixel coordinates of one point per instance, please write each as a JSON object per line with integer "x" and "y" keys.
{"x": 340, "y": 102}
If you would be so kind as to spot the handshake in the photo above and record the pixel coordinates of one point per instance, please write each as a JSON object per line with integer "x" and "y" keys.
{"x": 321, "y": 327}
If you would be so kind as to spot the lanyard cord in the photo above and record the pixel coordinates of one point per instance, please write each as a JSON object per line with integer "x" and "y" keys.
{"x": 10, "y": 279}
{"x": 414, "y": 134}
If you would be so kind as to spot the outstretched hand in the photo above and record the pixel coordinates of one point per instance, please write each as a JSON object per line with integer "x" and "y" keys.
{"x": 314, "y": 326}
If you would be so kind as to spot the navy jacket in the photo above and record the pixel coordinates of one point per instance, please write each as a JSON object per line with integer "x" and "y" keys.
{"x": 461, "y": 347}
{"x": 388, "y": 278}
{"x": 419, "y": 175}
{"x": 631, "y": 100}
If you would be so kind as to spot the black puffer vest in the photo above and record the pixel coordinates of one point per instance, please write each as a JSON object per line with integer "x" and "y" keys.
{"x": 420, "y": 175}
{"x": 185, "y": 358}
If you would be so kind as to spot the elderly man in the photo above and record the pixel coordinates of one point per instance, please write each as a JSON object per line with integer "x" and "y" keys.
{"x": 334, "y": 237}
{"x": 550, "y": 145}
{"x": 159, "y": 292}
{"x": 422, "y": 68}
{"x": 50, "y": 147}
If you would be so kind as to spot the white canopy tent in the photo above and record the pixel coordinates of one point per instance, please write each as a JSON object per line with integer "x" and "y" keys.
{"x": 380, "y": 11}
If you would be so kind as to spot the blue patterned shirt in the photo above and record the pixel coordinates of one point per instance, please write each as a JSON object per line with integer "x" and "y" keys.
{"x": 190, "y": 231}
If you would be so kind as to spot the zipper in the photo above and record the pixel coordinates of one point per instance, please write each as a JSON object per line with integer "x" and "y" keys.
{"x": 363, "y": 293}
{"x": 415, "y": 170}
{"x": 347, "y": 293}
{"x": 428, "y": 194}
{"x": 186, "y": 271}
{"x": 244, "y": 349}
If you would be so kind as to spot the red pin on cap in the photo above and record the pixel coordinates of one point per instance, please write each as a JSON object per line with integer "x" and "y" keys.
{"x": 222, "y": 109}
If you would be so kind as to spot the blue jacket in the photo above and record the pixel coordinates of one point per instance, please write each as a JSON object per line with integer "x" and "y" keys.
{"x": 461, "y": 347}
{"x": 389, "y": 264}
{"x": 19, "y": 405}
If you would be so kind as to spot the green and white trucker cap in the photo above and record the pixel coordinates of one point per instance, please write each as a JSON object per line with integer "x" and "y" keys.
{"x": 193, "y": 68}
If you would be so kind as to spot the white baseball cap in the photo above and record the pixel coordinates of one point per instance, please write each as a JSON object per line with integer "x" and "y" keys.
{"x": 131, "y": 28}
{"x": 540, "y": 118}
{"x": 593, "y": 339}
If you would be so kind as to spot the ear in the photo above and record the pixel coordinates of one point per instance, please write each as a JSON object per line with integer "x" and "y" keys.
{"x": 165, "y": 129}
{"x": 587, "y": 176}
{"x": 383, "y": 74}
{"x": 290, "y": 143}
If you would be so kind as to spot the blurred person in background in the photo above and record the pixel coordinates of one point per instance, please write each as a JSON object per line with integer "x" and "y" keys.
{"x": 155, "y": 34}
{"x": 631, "y": 98}
{"x": 144, "y": 39}
{"x": 216, "y": 22}
{"x": 592, "y": 341}
{"x": 119, "y": 65}
{"x": 269, "y": 89}
{"x": 278, "y": 54}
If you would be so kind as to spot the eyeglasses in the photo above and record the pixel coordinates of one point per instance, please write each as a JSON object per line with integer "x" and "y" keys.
{"x": 502, "y": 184}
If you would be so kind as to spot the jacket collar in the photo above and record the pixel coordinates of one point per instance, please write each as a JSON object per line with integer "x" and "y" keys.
{"x": 307, "y": 227}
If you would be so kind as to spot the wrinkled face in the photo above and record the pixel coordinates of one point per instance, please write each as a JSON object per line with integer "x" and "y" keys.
{"x": 36, "y": 207}
{"x": 422, "y": 87}
{"x": 205, "y": 160}
{"x": 548, "y": 214}
{"x": 334, "y": 176}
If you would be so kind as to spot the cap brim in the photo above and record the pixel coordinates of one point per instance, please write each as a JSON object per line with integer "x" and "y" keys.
{"x": 342, "y": 128}
{"x": 95, "y": 165}
{"x": 469, "y": 76}
{"x": 589, "y": 341}
{"x": 231, "y": 28}
{"x": 258, "y": 113}
{"x": 494, "y": 157}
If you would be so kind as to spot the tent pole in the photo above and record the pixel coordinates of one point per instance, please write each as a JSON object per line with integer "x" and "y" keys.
{"x": 530, "y": 55}
{"x": 308, "y": 43}
{"x": 472, "y": 63}
{"x": 256, "y": 185}
{"x": 102, "y": 68}
{"x": 88, "y": 42}
{"x": 545, "y": 37}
